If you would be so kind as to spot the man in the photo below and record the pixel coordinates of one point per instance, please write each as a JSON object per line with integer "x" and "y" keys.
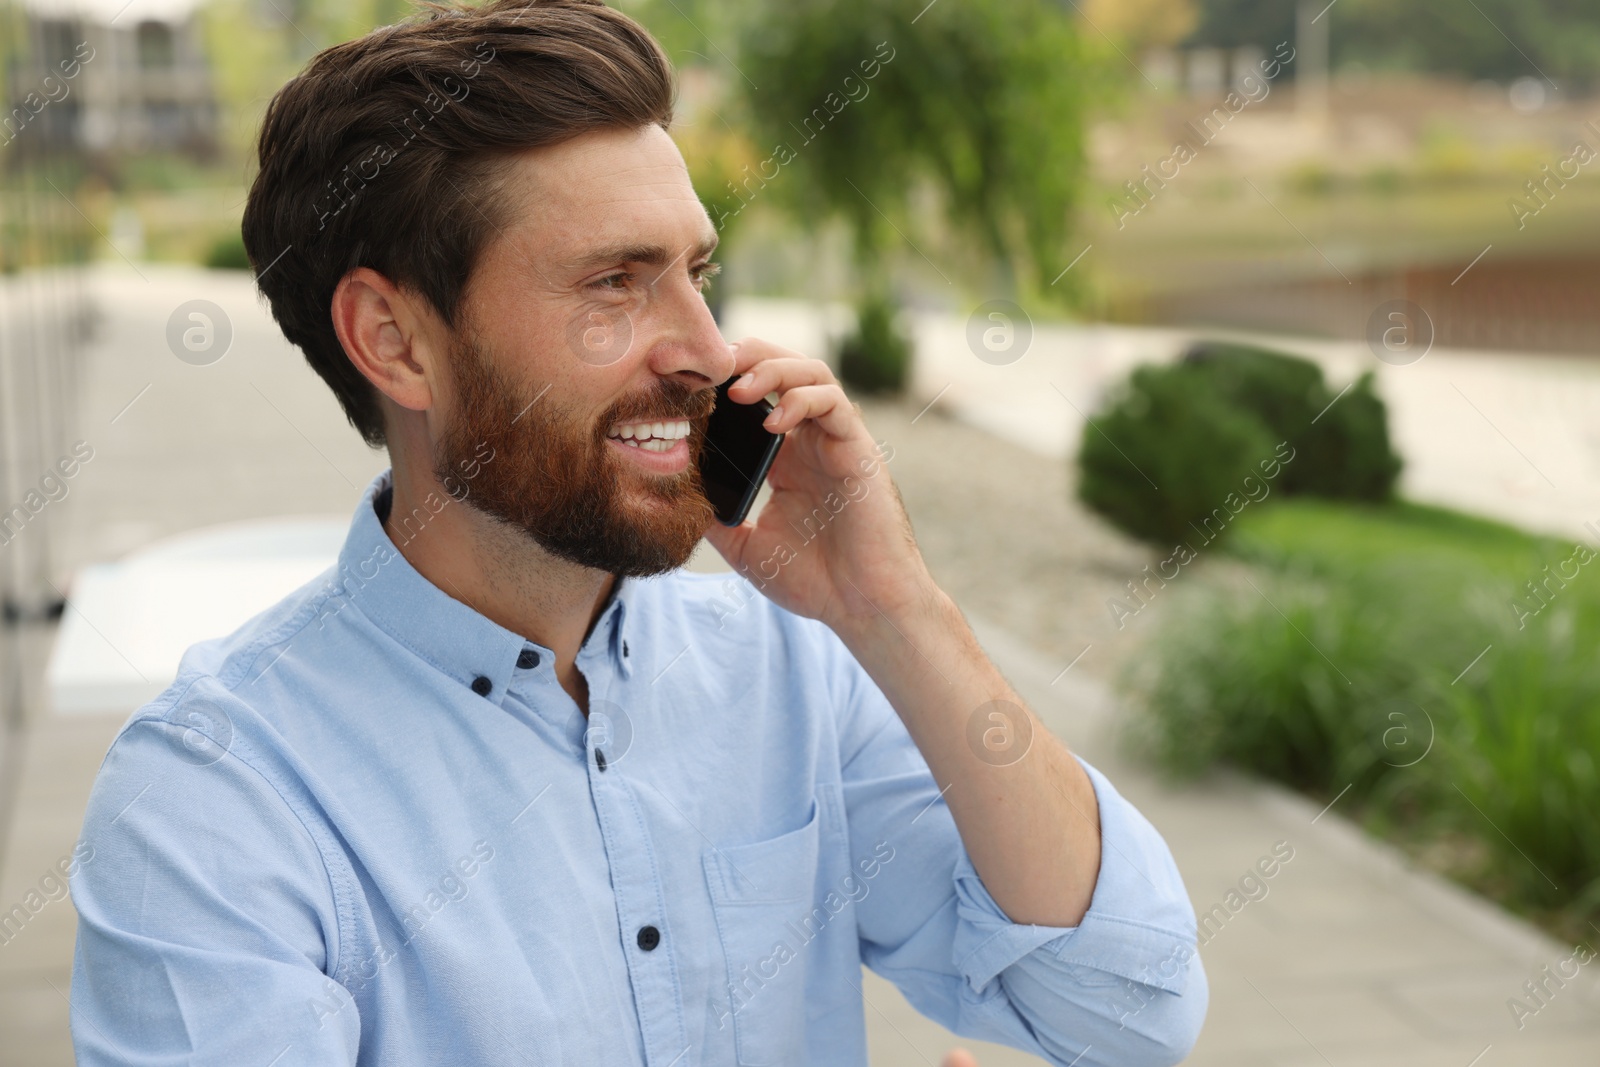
{"x": 508, "y": 786}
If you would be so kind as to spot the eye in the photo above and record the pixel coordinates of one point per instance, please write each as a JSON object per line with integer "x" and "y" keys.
{"x": 617, "y": 281}
{"x": 703, "y": 274}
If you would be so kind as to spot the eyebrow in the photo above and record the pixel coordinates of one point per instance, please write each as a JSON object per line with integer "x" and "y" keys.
{"x": 650, "y": 254}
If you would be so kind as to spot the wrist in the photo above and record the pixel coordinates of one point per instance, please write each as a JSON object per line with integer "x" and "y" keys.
{"x": 917, "y": 607}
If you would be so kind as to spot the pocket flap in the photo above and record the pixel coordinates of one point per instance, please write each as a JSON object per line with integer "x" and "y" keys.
{"x": 779, "y": 869}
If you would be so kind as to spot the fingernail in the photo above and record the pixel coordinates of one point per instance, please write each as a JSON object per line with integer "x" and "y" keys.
{"x": 745, "y": 379}
{"x": 776, "y": 414}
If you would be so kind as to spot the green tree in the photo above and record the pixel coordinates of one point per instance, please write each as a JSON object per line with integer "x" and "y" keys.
{"x": 859, "y": 107}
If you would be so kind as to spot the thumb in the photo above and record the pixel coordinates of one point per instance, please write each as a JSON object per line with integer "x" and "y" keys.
{"x": 959, "y": 1057}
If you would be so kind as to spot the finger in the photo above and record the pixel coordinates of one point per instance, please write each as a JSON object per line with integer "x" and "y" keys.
{"x": 748, "y": 351}
{"x": 826, "y": 405}
{"x": 959, "y": 1057}
{"x": 779, "y": 374}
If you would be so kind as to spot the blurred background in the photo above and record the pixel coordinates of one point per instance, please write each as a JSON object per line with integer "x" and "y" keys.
{"x": 1238, "y": 359}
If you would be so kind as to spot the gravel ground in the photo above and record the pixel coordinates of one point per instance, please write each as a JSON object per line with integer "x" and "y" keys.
{"x": 1005, "y": 536}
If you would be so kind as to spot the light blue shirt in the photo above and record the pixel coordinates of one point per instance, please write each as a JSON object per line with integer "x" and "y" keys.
{"x": 370, "y": 827}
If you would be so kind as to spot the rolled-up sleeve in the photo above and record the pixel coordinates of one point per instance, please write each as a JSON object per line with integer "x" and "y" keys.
{"x": 1124, "y": 987}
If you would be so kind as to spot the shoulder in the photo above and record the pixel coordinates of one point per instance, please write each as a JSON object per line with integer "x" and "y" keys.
{"x": 202, "y": 712}
{"x": 230, "y": 658}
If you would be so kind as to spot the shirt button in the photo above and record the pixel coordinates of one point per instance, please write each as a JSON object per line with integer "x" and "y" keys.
{"x": 649, "y": 938}
{"x": 482, "y": 685}
{"x": 527, "y": 659}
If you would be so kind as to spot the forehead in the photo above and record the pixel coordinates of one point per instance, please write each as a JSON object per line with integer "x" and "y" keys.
{"x": 606, "y": 188}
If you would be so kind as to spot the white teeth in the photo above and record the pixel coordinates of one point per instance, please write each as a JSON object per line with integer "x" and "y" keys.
{"x": 666, "y": 432}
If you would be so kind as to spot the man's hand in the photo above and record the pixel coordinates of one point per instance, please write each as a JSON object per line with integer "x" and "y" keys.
{"x": 958, "y": 1057}
{"x": 834, "y": 542}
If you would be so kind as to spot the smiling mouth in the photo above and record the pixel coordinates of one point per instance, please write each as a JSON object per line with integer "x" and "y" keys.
{"x": 650, "y": 436}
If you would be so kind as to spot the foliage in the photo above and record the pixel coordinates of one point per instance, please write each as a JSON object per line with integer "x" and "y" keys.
{"x": 1177, "y": 443}
{"x": 1165, "y": 451}
{"x": 254, "y": 48}
{"x": 876, "y": 357}
{"x": 979, "y": 101}
{"x": 1347, "y": 665}
{"x": 1241, "y": 683}
{"x": 1341, "y": 443}
{"x": 227, "y": 253}
{"x": 169, "y": 173}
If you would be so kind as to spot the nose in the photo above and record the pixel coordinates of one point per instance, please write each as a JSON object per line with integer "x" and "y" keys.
{"x": 689, "y": 346}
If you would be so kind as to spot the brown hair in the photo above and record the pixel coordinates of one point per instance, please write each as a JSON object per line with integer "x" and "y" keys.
{"x": 390, "y": 152}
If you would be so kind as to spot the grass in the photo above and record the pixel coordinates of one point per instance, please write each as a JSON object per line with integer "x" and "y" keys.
{"x": 1339, "y": 538}
{"x": 1380, "y": 649}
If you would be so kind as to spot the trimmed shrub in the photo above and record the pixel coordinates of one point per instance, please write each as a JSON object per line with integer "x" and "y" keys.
{"x": 1165, "y": 452}
{"x": 1342, "y": 448}
{"x": 1348, "y": 454}
{"x": 1209, "y": 420}
{"x": 876, "y": 357}
{"x": 227, "y": 253}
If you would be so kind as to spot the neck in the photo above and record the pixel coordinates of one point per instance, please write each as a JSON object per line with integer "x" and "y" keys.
{"x": 499, "y": 572}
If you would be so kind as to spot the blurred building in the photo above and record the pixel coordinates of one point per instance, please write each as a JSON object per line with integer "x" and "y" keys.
{"x": 107, "y": 78}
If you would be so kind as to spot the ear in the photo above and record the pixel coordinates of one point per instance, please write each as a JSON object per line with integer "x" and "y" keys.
{"x": 389, "y": 336}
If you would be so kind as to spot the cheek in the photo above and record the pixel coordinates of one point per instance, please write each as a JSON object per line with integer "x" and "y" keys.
{"x": 600, "y": 334}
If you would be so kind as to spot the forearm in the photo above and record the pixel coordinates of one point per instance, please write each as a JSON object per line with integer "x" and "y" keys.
{"x": 1025, "y": 809}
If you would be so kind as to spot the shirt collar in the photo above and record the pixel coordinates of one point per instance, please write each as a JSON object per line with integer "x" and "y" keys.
{"x": 442, "y": 630}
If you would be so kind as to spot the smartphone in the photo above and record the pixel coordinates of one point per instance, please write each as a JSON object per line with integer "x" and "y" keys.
{"x": 735, "y": 455}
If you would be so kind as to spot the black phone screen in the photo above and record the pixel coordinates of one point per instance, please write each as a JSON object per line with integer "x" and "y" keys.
{"x": 735, "y": 455}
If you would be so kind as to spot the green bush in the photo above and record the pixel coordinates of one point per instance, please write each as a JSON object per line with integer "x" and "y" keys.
{"x": 1342, "y": 449}
{"x": 1347, "y": 666}
{"x": 1197, "y": 428}
{"x": 876, "y": 357}
{"x": 1302, "y": 697}
{"x": 1521, "y": 745}
{"x": 227, "y": 253}
{"x": 1165, "y": 452}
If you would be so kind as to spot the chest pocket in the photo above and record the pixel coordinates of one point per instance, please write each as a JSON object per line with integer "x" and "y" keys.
{"x": 762, "y": 894}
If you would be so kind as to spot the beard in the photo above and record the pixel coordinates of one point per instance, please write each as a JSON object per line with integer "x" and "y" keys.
{"x": 554, "y": 477}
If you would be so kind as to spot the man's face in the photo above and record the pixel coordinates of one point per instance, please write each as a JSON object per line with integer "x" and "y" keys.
{"x": 586, "y": 356}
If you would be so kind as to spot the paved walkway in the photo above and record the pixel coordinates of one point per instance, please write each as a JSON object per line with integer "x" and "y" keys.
{"x": 1351, "y": 958}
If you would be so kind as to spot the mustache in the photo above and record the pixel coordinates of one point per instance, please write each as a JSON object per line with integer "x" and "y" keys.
{"x": 663, "y": 402}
